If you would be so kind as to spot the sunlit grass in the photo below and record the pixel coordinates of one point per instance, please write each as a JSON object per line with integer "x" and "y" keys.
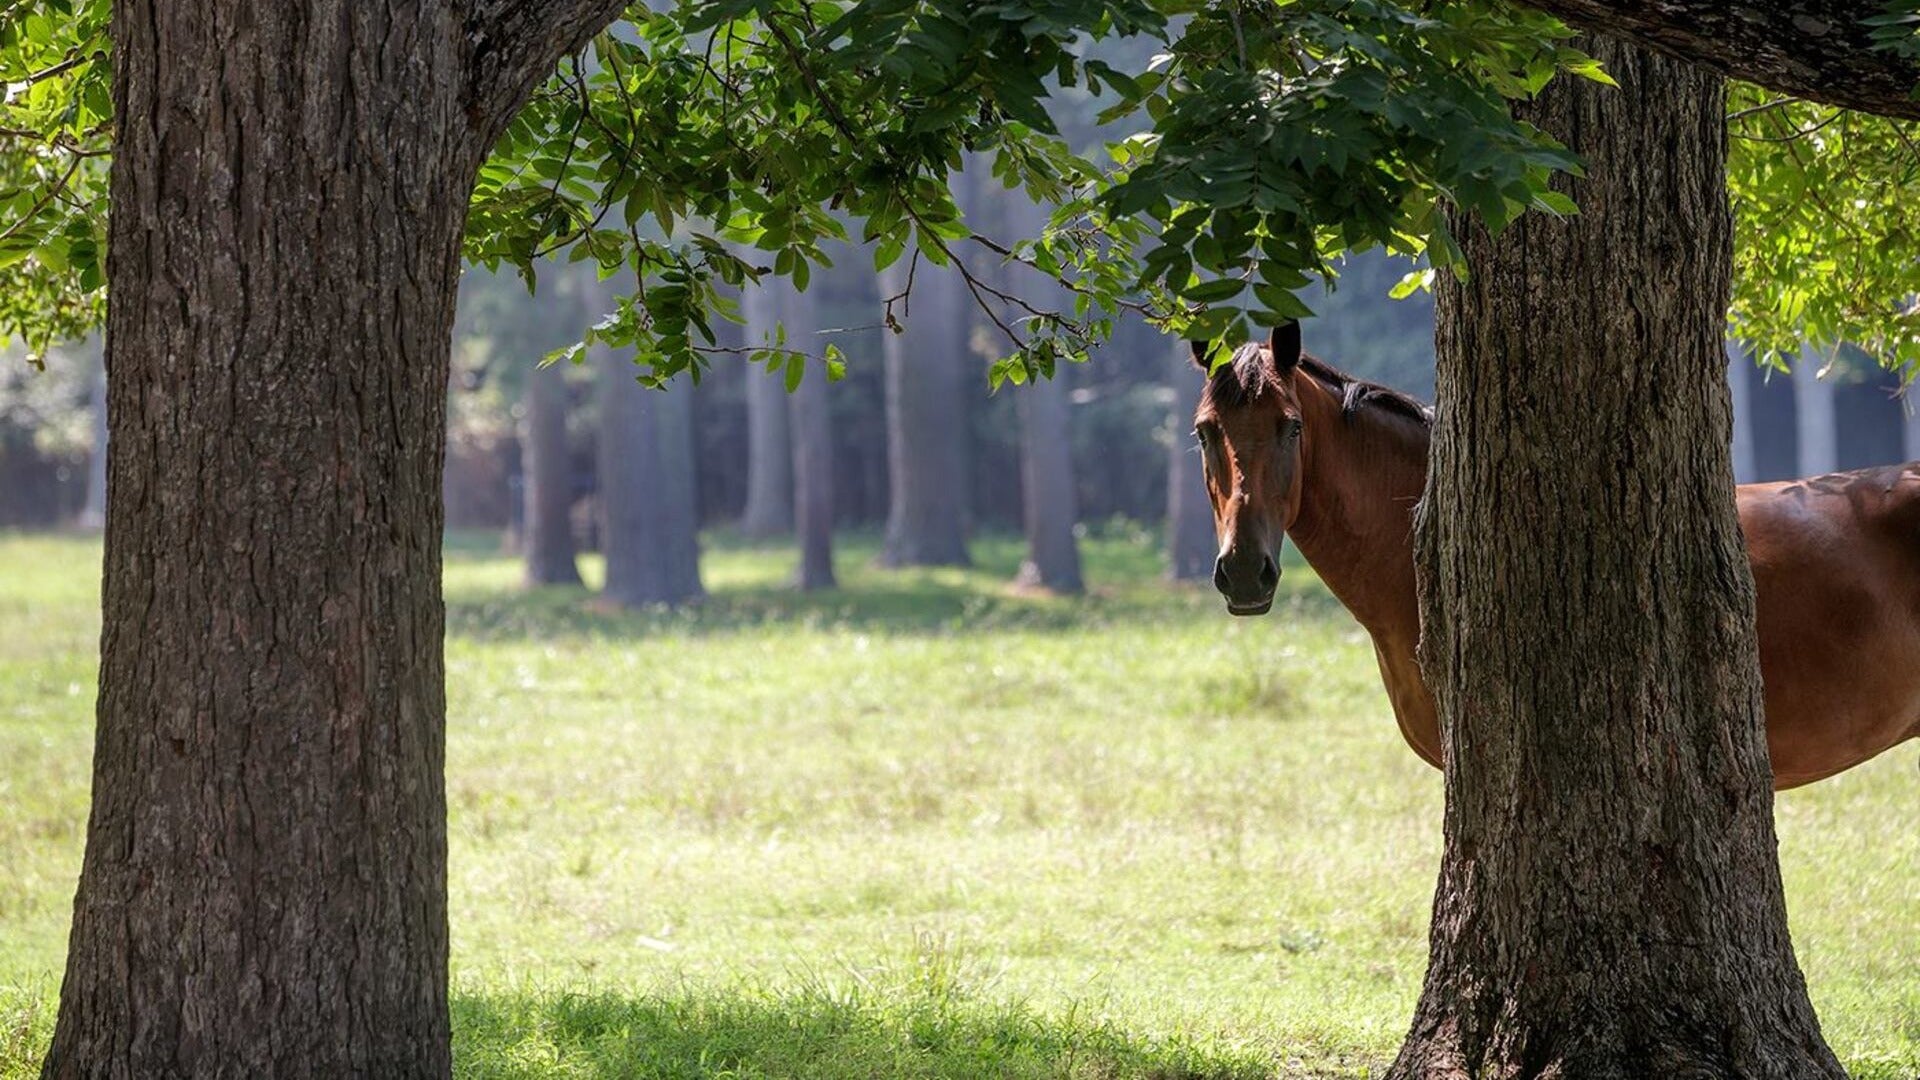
{"x": 920, "y": 826}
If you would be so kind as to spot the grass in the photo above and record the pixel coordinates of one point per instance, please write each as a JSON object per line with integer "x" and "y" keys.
{"x": 921, "y": 827}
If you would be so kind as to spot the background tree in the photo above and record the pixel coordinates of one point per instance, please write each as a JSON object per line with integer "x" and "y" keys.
{"x": 926, "y": 364}
{"x": 1191, "y": 544}
{"x": 770, "y": 462}
{"x": 650, "y": 528}
{"x": 1049, "y": 511}
{"x": 547, "y": 545}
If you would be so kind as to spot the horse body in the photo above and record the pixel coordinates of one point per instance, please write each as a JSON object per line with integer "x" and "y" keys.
{"x": 1836, "y": 559}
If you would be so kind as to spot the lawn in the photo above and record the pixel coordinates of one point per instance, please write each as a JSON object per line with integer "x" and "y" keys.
{"x": 921, "y": 826}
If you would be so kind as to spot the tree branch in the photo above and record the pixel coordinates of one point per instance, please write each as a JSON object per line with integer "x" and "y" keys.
{"x": 1813, "y": 49}
{"x": 514, "y": 45}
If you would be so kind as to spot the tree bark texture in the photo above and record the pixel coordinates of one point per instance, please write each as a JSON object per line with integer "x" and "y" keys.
{"x": 650, "y": 524}
{"x": 548, "y": 543}
{"x": 1609, "y": 902}
{"x": 264, "y": 886}
{"x": 1191, "y": 543}
{"x": 1815, "y": 49}
{"x": 769, "y": 511}
{"x": 927, "y": 422}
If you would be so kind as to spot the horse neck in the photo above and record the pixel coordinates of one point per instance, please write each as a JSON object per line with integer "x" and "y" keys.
{"x": 1361, "y": 475}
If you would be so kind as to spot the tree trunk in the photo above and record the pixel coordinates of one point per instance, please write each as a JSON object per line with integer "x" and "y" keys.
{"x": 926, "y": 422}
{"x": 548, "y": 489}
{"x": 264, "y": 886}
{"x": 93, "y": 515}
{"x": 1191, "y": 543}
{"x": 650, "y": 525}
{"x": 810, "y": 417}
{"x": 1609, "y": 902}
{"x": 769, "y": 511}
{"x": 1047, "y": 499}
{"x": 1048, "y": 508}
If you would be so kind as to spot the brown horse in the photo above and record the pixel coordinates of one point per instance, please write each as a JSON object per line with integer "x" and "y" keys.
{"x": 1295, "y": 447}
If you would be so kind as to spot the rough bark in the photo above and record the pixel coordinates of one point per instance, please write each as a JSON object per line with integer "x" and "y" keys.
{"x": 1816, "y": 49}
{"x": 548, "y": 491}
{"x": 1609, "y": 902}
{"x": 649, "y": 523}
{"x": 264, "y": 886}
{"x": 1191, "y": 544}
{"x": 926, "y": 423}
{"x": 769, "y": 510}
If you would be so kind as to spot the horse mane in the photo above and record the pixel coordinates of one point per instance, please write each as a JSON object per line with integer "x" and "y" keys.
{"x": 1251, "y": 374}
{"x": 1356, "y": 393}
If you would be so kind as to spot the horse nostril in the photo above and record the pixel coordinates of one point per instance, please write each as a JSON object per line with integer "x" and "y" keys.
{"x": 1269, "y": 575}
{"x": 1220, "y": 575}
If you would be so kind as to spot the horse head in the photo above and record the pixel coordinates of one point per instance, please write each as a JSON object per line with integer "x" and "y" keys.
{"x": 1249, "y": 427}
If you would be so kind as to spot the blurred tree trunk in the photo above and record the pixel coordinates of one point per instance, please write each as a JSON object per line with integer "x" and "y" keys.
{"x": 94, "y": 514}
{"x": 926, "y": 421}
{"x": 769, "y": 511}
{"x": 1046, "y": 472}
{"x": 1609, "y": 902}
{"x": 649, "y": 519}
{"x": 548, "y": 490}
{"x": 1191, "y": 543}
{"x": 812, "y": 422}
{"x": 1048, "y": 505}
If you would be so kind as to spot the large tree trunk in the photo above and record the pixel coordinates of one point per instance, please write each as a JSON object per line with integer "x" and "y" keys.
{"x": 548, "y": 490}
{"x": 926, "y": 422}
{"x": 264, "y": 887}
{"x": 769, "y": 511}
{"x": 1609, "y": 902}
{"x": 650, "y": 525}
{"x": 1191, "y": 543}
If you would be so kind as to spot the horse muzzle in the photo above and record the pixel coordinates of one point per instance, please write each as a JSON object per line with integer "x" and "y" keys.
{"x": 1247, "y": 581}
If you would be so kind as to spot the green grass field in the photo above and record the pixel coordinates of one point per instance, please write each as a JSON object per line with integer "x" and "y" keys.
{"x": 920, "y": 827}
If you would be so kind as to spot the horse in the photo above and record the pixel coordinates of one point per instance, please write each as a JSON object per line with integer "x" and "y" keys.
{"x": 1294, "y": 446}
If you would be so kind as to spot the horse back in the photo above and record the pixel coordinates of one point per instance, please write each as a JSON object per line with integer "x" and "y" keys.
{"x": 1836, "y": 562}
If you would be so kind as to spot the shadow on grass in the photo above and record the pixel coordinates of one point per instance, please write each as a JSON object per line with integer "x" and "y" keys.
{"x": 811, "y": 1036}
{"x": 748, "y": 588}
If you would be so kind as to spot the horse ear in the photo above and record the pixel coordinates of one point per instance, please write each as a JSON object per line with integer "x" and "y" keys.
{"x": 1201, "y": 350}
{"x": 1284, "y": 344}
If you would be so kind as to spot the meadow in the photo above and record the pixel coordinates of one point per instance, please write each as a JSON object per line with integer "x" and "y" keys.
{"x": 920, "y": 826}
